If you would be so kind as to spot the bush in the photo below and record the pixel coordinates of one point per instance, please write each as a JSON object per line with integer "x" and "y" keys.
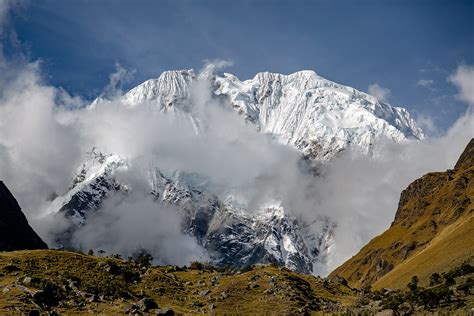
{"x": 435, "y": 279}
{"x": 449, "y": 280}
{"x": 144, "y": 260}
{"x": 413, "y": 285}
{"x": 195, "y": 265}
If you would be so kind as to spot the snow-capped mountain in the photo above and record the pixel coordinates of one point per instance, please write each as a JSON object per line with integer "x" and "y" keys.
{"x": 232, "y": 236}
{"x": 318, "y": 117}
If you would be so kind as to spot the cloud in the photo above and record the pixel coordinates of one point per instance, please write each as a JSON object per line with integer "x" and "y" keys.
{"x": 428, "y": 125}
{"x": 130, "y": 222}
{"x": 463, "y": 79}
{"x": 379, "y": 92}
{"x": 117, "y": 79}
{"x": 5, "y": 6}
{"x": 212, "y": 66}
{"x": 426, "y": 83}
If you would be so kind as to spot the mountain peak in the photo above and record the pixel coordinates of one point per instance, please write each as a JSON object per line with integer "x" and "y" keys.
{"x": 466, "y": 160}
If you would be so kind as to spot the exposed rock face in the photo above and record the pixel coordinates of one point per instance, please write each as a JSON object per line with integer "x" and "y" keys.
{"x": 434, "y": 223}
{"x": 15, "y": 232}
{"x": 232, "y": 236}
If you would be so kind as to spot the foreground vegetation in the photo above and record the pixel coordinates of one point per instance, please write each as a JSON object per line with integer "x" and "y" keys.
{"x": 450, "y": 293}
{"x": 61, "y": 282}
{"x": 72, "y": 283}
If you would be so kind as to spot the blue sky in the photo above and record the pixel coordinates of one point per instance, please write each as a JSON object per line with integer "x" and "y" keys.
{"x": 409, "y": 47}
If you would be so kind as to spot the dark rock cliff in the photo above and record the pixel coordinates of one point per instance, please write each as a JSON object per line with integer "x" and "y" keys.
{"x": 15, "y": 232}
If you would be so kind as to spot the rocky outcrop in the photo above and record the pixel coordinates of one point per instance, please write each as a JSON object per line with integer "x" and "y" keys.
{"x": 15, "y": 232}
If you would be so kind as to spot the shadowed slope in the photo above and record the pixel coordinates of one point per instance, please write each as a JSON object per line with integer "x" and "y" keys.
{"x": 15, "y": 232}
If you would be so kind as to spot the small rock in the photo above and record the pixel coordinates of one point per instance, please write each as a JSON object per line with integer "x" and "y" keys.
{"x": 268, "y": 291}
{"x": 254, "y": 277}
{"x": 204, "y": 293}
{"x": 165, "y": 312}
{"x": 173, "y": 277}
{"x": 197, "y": 304}
{"x": 145, "y": 304}
{"x": 26, "y": 280}
{"x": 127, "y": 309}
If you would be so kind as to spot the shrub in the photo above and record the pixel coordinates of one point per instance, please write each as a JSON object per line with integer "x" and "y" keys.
{"x": 195, "y": 265}
{"x": 413, "y": 285}
{"x": 435, "y": 279}
{"x": 144, "y": 260}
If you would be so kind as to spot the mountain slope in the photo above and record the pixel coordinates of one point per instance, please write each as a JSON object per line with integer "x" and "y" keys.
{"x": 433, "y": 231}
{"x": 317, "y": 116}
{"x": 232, "y": 236}
{"x": 15, "y": 232}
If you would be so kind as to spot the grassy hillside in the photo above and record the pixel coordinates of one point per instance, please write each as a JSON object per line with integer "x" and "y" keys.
{"x": 433, "y": 231}
{"x": 69, "y": 282}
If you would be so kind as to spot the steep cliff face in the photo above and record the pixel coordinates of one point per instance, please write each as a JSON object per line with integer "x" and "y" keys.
{"x": 15, "y": 232}
{"x": 433, "y": 231}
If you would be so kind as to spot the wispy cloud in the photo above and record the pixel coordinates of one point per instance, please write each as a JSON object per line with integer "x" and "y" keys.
{"x": 426, "y": 83}
{"x": 379, "y": 92}
{"x": 116, "y": 81}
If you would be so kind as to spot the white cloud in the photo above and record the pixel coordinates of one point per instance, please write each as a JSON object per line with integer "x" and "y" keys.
{"x": 427, "y": 83}
{"x": 463, "y": 78}
{"x": 379, "y": 92}
{"x": 427, "y": 124}
{"x": 116, "y": 80}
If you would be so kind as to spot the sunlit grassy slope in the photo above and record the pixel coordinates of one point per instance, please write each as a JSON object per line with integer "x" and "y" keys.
{"x": 73, "y": 283}
{"x": 433, "y": 231}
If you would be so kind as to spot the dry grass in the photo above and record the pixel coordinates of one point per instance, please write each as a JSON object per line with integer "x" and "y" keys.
{"x": 261, "y": 290}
